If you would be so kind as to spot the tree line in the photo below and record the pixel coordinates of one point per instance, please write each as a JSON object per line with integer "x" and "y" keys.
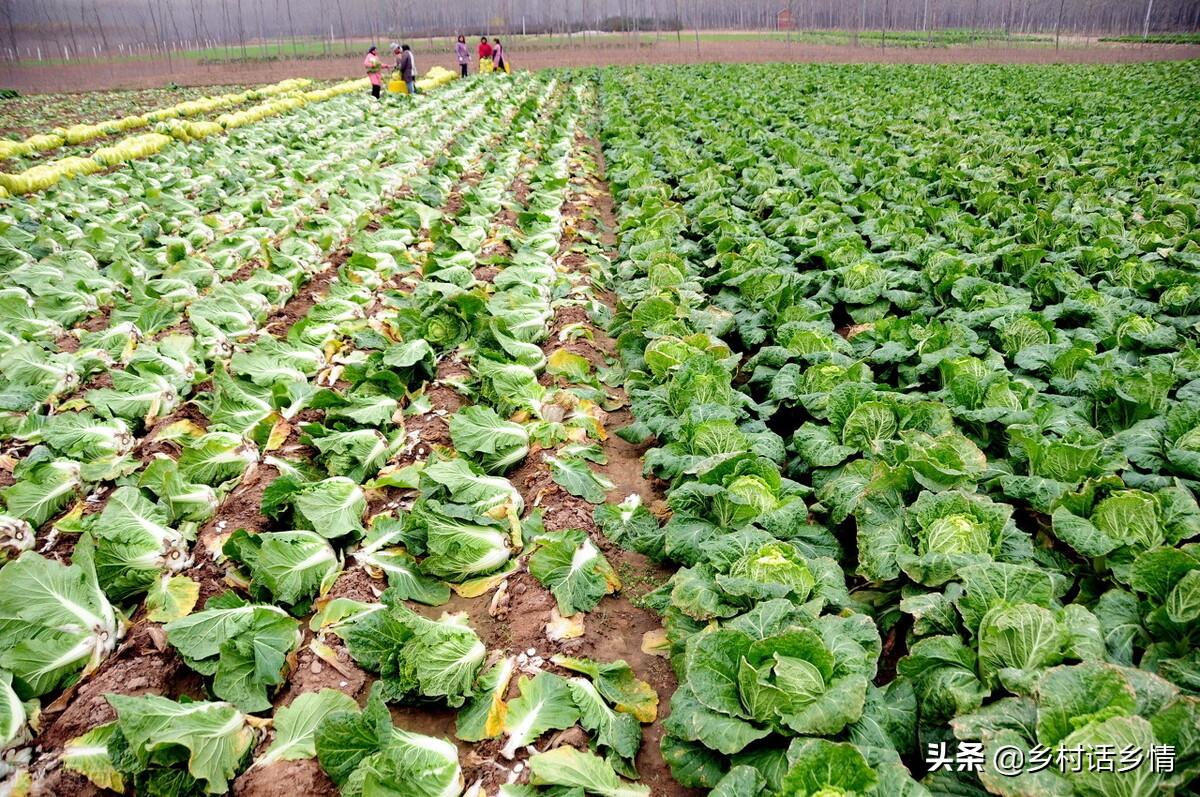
{"x": 81, "y": 28}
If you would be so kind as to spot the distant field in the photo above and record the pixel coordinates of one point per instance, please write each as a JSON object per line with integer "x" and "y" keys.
{"x": 326, "y": 48}
{"x": 1159, "y": 38}
{"x": 24, "y": 116}
{"x": 609, "y": 49}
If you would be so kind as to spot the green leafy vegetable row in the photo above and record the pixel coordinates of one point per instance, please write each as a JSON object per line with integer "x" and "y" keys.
{"x": 307, "y": 417}
{"x": 131, "y": 536}
{"x": 916, "y": 348}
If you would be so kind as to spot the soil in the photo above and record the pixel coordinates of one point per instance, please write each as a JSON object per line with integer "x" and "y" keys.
{"x": 520, "y": 190}
{"x": 67, "y": 342}
{"x": 513, "y": 617}
{"x": 150, "y": 74}
{"x": 102, "y": 381}
{"x": 144, "y": 664}
{"x": 245, "y": 270}
{"x": 451, "y": 368}
{"x": 616, "y": 627}
{"x": 59, "y": 781}
{"x": 454, "y": 203}
{"x": 574, "y": 261}
{"x": 426, "y": 430}
{"x": 57, "y": 547}
{"x": 505, "y": 218}
{"x": 148, "y": 447}
{"x": 96, "y": 322}
{"x": 486, "y": 273}
{"x": 209, "y": 575}
{"x": 312, "y": 674}
{"x": 307, "y": 297}
{"x": 285, "y": 779}
{"x": 357, "y": 585}
{"x": 241, "y": 509}
{"x": 565, "y": 317}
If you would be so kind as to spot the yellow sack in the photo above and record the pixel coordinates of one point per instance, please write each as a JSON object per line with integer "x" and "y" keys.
{"x": 485, "y": 65}
{"x": 507, "y": 68}
{"x": 396, "y": 84}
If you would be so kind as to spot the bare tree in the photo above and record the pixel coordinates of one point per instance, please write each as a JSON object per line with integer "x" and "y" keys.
{"x": 125, "y": 24}
{"x": 241, "y": 29}
{"x": 171, "y": 16}
{"x": 342, "y": 19}
{"x": 226, "y": 27}
{"x": 291, "y": 26}
{"x": 696, "y": 26}
{"x": 198, "y": 29}
{"x": 262, "y": 30}
{"x": 71, "y": 33}
{"x": 6, "y": 8}
{"x": 158, "y": 33}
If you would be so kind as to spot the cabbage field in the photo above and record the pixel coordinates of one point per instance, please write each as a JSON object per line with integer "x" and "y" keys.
{"x": 754, "y": 431}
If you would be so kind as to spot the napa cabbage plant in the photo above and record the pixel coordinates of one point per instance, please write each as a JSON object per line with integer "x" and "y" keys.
{"x": 364, "y": 753}
{"x": 135, "y": 544}
{"x": 57, "y": 624}
{"x": 288, "y": 567}
{"x": 415, "y": 657}
{"x": 739, "y": 689}
{"x": 242, "y": 646}
{"x": 198, "y": 746}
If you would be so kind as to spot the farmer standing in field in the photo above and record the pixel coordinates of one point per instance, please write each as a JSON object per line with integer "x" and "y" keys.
{"x": 464, "y": 55}
{"x": 499, "y": 60}
{"x": 406, "y": 65}
{"x": 374, "y": 68}
{"x": 485, "y": 55}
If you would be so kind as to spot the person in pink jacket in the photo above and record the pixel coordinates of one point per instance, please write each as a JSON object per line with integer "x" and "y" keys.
{"x": 374, "y": 69}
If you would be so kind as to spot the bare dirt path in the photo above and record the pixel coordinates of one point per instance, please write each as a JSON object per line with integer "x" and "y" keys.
{"x": 616, "y": 628}
{"x": 149, "y": 74}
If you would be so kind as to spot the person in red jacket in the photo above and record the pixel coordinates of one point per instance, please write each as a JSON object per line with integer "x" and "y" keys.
{"x": 485, "y": 51}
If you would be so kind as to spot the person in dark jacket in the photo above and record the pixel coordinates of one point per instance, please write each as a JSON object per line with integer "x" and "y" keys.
{"x": 406, "y": 65}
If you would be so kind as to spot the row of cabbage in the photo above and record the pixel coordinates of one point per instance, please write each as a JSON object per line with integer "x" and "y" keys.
{"x": 44, "y": 175}
{"x": 140, "y": 246}
{"x": 358, "y": 360}
{"x": 917, "y": 349}
{"x": 86, "y": 443}
{"x": 463, "y": 527}
{"x": 82, "y": 133}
